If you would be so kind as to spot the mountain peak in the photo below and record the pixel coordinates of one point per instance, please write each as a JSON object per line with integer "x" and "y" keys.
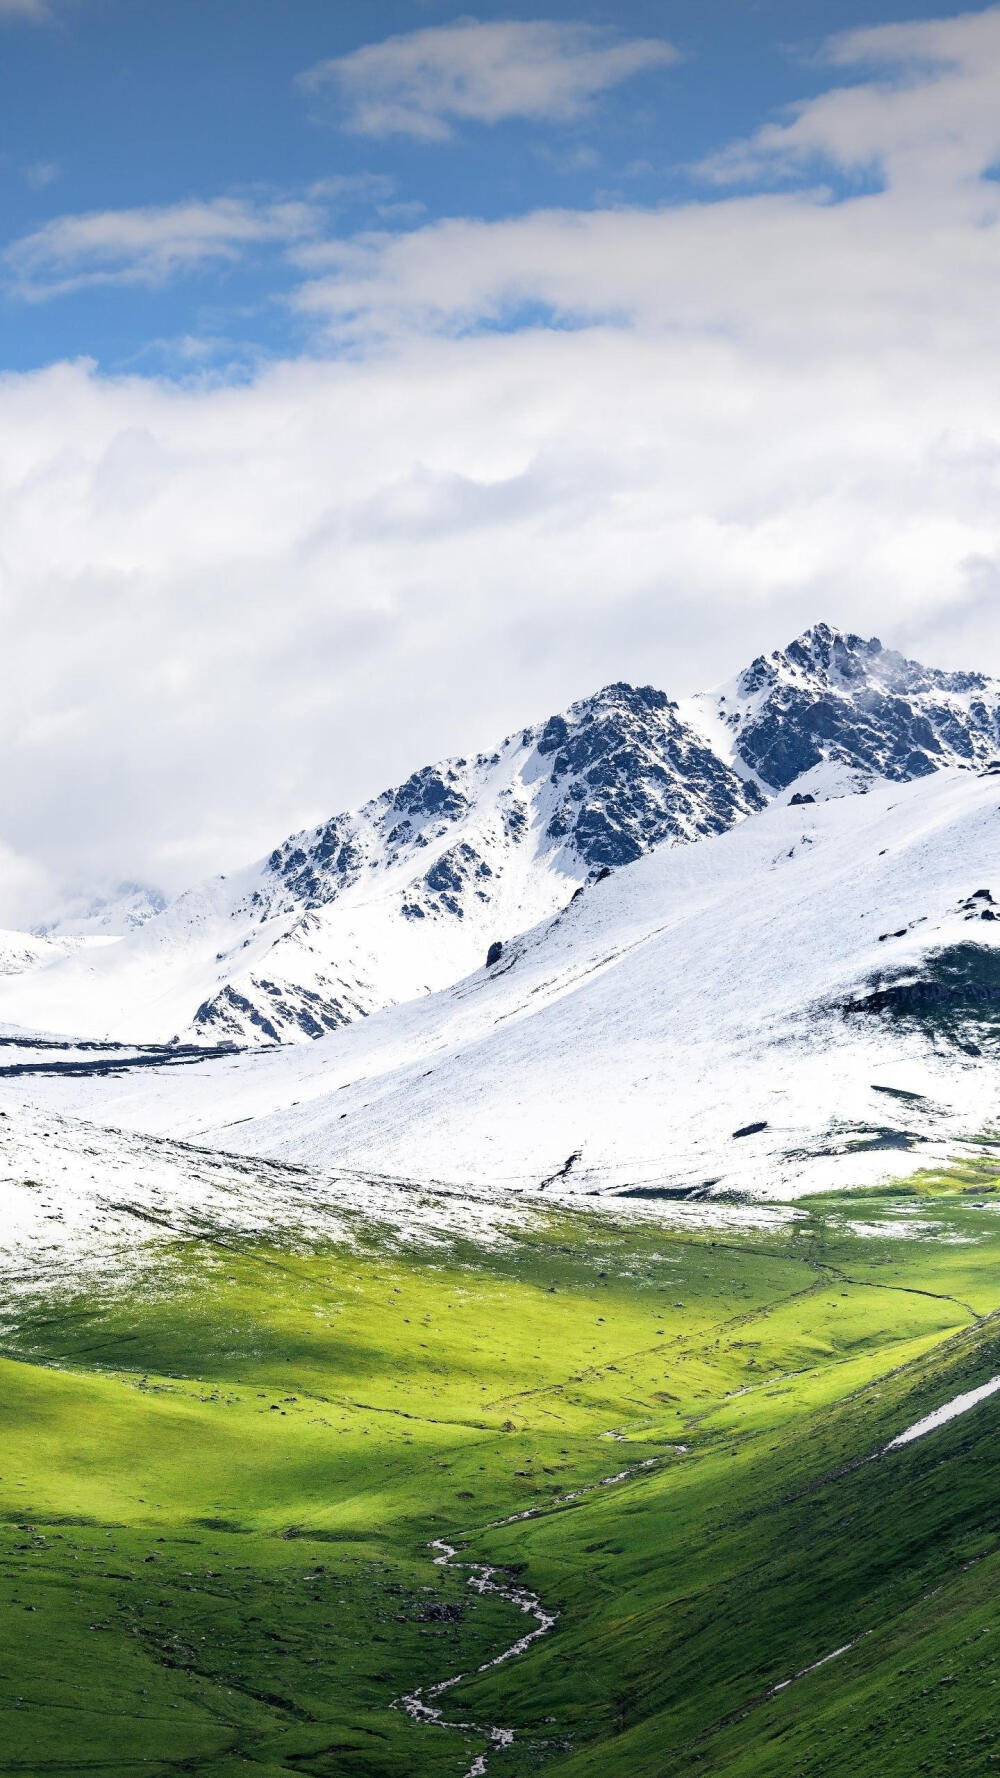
{"x": 827, "y": 649}
{"x": 822, "y": 653}
{"x": 831, "y": 695}
{"x": 620, "y": 694}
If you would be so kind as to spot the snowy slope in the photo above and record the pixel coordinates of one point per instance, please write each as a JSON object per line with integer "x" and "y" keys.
{"x": 405, "y": 894}
{"x": 81, "y": 1205}
{"x": 24, "y": 951}
{"x": 686, "y": 1023}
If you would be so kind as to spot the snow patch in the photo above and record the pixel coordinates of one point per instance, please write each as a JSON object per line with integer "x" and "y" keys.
{"x": 951, "y": 1410}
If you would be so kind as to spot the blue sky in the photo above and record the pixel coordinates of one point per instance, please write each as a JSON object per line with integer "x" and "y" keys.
{"x": 111, "y": 105}
{"x": 374, "y": 380}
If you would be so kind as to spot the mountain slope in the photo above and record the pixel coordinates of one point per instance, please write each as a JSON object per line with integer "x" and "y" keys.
{"x": 814, "y": 991}
{"x": 21, "y": 952}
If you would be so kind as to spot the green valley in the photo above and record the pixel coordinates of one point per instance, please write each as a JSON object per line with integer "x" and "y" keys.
{"x": 220, "y": 1476}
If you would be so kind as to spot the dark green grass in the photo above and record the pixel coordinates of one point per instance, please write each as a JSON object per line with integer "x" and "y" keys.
{"x": 217, "y": 1488}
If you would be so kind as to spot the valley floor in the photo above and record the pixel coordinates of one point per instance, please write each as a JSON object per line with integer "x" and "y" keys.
{"x": 222, "y": 1471}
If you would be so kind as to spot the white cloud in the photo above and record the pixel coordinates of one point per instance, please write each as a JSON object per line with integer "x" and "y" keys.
{"x": 230, "y": 610}
{"x": 422, "y": 83}
{"x": 918, "y": 252}
{"x": 342, "y": 190}
{"x": 34, "y": 11}
{"x": 147, "y": 246}
{"x": 929, "y": 116}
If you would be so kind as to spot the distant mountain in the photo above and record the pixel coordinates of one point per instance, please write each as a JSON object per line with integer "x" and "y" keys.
{"x": 406, "y": 895}
{"x": 111, "y": 913}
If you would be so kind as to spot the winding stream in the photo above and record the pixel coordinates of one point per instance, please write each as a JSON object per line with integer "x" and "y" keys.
{"x": 422, "y": 1704}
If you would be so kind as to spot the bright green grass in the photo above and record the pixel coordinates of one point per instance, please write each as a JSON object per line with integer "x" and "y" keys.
{"x": 217, "y": 1488}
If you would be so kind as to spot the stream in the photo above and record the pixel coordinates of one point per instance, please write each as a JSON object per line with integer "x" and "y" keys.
{"x": 422, "y": 1704}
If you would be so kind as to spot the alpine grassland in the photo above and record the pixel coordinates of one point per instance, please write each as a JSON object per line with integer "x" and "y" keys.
{"x": 222, "y": 1469}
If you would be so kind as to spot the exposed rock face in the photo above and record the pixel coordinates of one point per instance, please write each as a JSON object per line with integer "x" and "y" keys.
{"x": 836, "y": 697}
{"x": 272, "y": 1012}
{"x": 629, "y": 774}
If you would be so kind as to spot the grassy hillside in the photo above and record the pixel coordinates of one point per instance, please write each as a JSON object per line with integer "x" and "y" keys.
{"x": 218, "y": 1485}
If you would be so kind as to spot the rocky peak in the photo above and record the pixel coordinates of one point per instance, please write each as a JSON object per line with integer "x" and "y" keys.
{"x": 627, "y": 774}
{"x": 832, "y": 695}
{"x": 839, "y": 656}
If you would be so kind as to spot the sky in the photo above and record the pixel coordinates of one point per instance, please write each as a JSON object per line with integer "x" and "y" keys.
{"x": 374, "y": 379}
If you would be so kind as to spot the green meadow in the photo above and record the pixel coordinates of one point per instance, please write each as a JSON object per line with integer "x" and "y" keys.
{"x": 219, "y": 1482}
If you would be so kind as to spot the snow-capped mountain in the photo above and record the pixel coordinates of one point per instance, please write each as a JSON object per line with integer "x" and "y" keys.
{"x": 407, "y": 894}
{"x": 810, "y": 997}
